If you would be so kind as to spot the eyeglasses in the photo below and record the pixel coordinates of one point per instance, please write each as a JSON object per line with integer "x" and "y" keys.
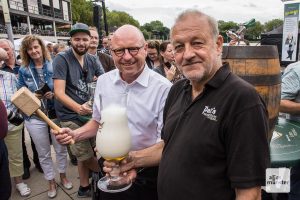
{"x": 132, "y": 50}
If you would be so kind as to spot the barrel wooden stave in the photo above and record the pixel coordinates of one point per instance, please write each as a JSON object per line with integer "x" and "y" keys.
{"x": 260, "y": 67}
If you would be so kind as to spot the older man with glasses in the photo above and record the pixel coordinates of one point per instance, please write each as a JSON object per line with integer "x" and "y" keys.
{"x": 146, "y": 94}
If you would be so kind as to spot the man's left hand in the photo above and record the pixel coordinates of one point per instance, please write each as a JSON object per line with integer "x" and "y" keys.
{"x": 49, "y": 95}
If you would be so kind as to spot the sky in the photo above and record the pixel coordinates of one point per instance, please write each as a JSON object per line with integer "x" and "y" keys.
{"x": 228, "y": 10}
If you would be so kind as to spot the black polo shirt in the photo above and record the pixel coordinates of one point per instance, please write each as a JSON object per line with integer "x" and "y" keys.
{"x": 214, "y": 144}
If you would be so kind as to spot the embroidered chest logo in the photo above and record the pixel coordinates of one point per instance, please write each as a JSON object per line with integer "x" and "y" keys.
{"x": 210, "y": 113}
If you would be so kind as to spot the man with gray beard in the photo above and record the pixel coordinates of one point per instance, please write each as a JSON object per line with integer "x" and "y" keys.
{"x": 73, "y": 70}
{"x": 214, "y": 140}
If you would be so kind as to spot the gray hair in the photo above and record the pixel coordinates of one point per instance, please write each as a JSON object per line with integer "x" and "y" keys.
{"x": 11, "y": 45}
{"x": 211, "y": 21}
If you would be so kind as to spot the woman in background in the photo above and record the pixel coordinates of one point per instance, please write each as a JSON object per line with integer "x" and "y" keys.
{"x": 167, "y": 67}
{"x": 152, "y": 58}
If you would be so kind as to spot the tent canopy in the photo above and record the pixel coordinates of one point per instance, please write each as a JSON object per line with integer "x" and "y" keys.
{"x": 17, "y": 43}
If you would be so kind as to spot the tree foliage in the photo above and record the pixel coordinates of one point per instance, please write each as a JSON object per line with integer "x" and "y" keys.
{"x": 253, "y": 33}
{"x": 272, "y": 24}
{"x": 82, "y": 11}
{"x": 119, "y": 18}
{"x": 225, "y": 26}
{"x": 155, "y": 30}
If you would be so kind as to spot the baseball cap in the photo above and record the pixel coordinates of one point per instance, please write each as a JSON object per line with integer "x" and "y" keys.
{"x": 79, "y": 27}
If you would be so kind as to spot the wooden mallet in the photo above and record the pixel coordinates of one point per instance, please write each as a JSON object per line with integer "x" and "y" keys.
{"x": 28, "y": 103}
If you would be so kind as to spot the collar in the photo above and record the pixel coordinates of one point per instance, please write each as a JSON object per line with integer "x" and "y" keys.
{"x": 5, "y": 74}
{"x": 220, "y": 76}
{"x": 6, "y": 68}
{"x": 96, "y": 54}
{"x": 216, "y": 81}
{"x": 143, "y": 78}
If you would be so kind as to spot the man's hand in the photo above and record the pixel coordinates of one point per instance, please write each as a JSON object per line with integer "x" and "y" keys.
{"x": 85, "y": 109}
{"x": 253, "y": 193}
{"x": 39, "y": 96}
{"x": 148, "y": 157}
{"x": 3, "y": 55}
{"x": 129, "y": 162}
{"x": 129, "y": 175}
{"x": 49, "y": 95}
{"x": 64, "y": 135}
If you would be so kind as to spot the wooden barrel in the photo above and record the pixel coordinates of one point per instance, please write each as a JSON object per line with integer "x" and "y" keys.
{"x": 258, "y": 65}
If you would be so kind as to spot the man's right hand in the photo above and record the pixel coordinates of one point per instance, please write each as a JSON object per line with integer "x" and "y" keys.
{"x": 127, "y": 172}
{"x": 64, "y": 135}
{"x": 85, "y": 109}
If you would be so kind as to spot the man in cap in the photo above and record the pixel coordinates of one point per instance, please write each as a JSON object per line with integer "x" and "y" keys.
{"x": 73, "y": 70}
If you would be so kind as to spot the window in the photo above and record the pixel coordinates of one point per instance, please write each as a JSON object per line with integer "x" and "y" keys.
{"x": 65, "y": 10}
{"x": 16, "y": 4}
{"x": 33, "y": 6}
{"x": 46, "y": 2}
{"x": 56, "y": 4}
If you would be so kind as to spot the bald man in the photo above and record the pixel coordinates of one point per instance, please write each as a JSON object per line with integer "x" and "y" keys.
{"x": 146, "y": 93}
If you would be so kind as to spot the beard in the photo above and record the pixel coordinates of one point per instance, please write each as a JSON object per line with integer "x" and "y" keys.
{"x": 198, "y": 72}
{"x": 198, "y": 76}
{"x": 80, "y": 52}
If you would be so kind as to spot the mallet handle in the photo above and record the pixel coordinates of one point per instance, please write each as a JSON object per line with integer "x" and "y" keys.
{"x": 49, "y": 121}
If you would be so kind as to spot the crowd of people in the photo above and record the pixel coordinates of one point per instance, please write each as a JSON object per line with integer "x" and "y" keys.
{"x": 198, "y": 131}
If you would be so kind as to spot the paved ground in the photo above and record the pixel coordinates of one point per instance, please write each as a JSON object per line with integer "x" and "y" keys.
{"x": 39, "y": 186}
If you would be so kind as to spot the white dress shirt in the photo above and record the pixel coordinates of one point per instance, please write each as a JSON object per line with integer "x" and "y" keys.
{"x": 145, "y": 99}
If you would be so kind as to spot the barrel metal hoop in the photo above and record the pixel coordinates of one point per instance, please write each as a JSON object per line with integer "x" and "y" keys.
{"x": 249, "y": 52}
{"x": 266, "y": 80}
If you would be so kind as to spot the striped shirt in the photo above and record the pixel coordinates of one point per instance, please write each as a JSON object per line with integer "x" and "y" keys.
{"x": 8, "y": 86}
{"x": 290, "y": 86}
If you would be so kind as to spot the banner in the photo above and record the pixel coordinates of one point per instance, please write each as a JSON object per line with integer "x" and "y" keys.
{"x": 290, "y": 32}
